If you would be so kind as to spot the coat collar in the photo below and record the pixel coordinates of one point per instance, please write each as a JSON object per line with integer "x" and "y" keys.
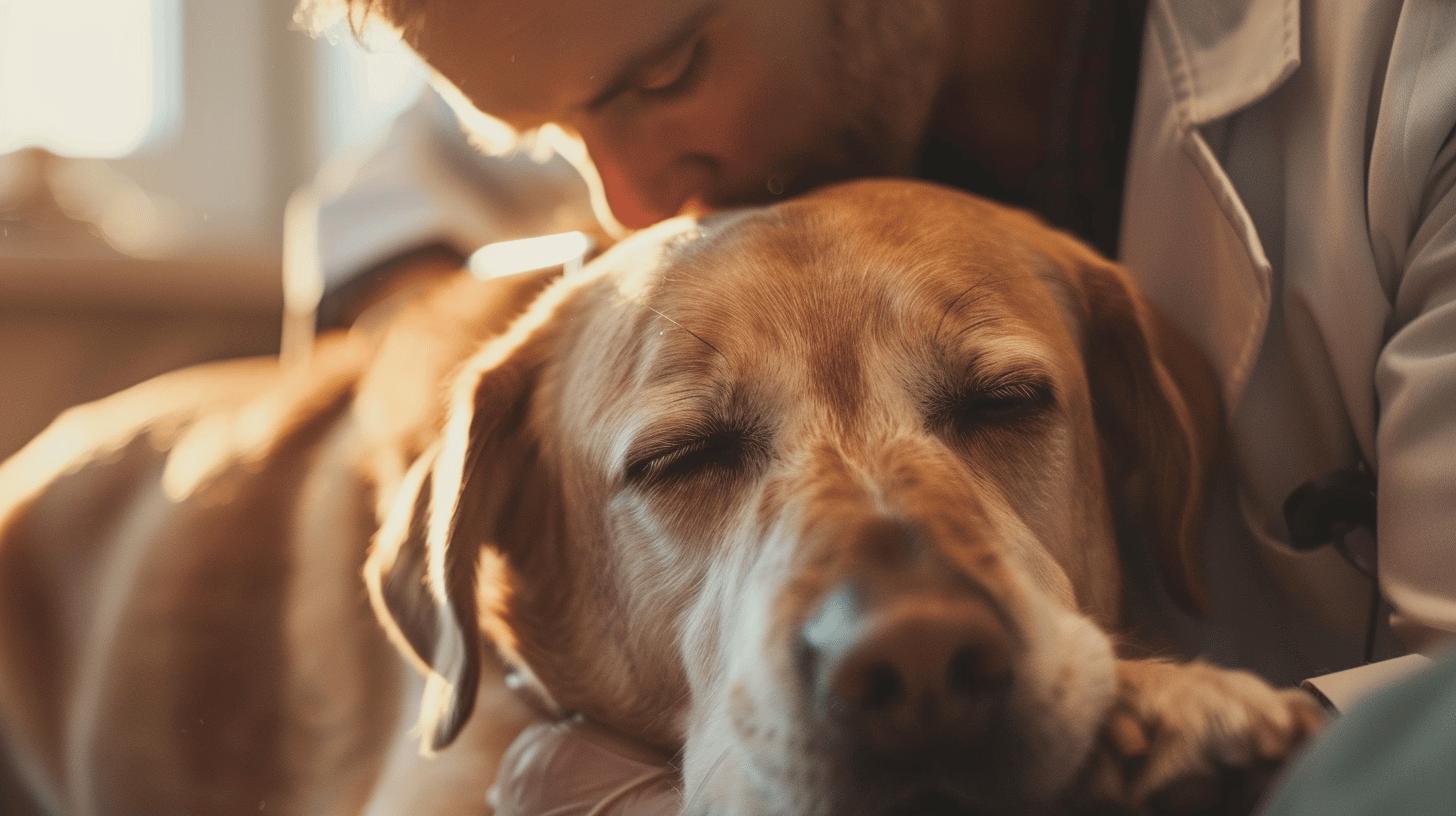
{"x": 1226, "y": 54}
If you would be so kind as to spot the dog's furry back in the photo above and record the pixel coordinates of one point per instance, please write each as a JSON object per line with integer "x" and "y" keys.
{"x": 181, "y": 610}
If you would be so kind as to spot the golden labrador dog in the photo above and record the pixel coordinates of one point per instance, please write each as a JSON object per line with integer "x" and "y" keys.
{"x": 831, "y": 501}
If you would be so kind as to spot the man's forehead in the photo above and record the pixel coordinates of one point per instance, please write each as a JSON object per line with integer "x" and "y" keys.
{"x": 531, "y": 61}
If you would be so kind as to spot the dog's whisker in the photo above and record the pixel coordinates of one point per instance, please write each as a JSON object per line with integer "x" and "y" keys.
{"x": 696, "y": 803}
{"x": 983, "y": 288}
{"x": 660, "y": 314}
{"x": 950, "y": 307}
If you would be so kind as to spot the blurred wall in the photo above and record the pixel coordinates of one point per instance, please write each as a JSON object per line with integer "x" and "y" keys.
{"x": 81, "y": 317}
{"x": 59, "y": 355}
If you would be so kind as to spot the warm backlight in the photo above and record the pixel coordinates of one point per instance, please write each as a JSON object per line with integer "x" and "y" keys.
{"x": 528, "y": 254}
{"x": 81, "y": 77}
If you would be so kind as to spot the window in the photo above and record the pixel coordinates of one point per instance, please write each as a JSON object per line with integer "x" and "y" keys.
{"x": 86, "y": 78}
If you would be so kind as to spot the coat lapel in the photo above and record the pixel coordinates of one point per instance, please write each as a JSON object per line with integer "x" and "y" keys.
{"x": 1186, "y": 235}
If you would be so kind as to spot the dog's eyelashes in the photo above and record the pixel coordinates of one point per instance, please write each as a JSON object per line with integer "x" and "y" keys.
{"x": 993, "y": 404}
{"x": 723, "y": 450}
{"x": 1010, "y": 400}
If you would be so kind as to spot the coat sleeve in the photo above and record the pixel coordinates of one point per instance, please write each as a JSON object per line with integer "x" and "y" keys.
{"x": 1415, "y": 375}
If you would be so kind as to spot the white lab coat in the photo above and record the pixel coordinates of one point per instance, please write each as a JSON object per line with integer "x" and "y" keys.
{"x": 1291, "y": 204}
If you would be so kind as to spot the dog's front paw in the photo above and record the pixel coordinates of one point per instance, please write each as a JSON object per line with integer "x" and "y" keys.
{"x": 1184, "y": 739}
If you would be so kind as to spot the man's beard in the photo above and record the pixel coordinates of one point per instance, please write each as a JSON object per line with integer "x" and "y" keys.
{"x": 881, "y": 65}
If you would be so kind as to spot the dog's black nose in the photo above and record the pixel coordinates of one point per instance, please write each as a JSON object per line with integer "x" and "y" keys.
{"x": 906, "y": 672}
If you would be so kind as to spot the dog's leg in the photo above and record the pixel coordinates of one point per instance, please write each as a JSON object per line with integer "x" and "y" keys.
{"x": 1191, "y": 738}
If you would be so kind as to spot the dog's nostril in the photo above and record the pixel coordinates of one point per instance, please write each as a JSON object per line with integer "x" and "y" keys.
{"x": 882, "y": 686}
{"x": 961, "y": 676}
{"x": 909, "y": 672}
{"x": 973, "y": 671}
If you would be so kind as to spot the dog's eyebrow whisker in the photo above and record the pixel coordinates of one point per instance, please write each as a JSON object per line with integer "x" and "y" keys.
{"x": 951, "y": 307}
{"x": 973, "y": 326}
{"x": 660, "y": 314}
{"x": 978, "y": 285}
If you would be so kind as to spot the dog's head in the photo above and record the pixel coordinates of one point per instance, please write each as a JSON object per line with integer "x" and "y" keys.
{"x": 828, "y": 494}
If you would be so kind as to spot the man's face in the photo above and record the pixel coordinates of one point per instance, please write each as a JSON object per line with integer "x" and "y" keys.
{"x": 698, "y": 104}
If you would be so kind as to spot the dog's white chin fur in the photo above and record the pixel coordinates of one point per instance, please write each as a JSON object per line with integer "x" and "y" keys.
{"x": 1071, "y": 683}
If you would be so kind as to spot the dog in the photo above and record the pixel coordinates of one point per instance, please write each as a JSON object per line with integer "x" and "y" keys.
{"x": 831, "y": 501}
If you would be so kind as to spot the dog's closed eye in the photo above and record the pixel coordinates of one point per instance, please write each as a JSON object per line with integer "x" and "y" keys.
{"x": 992, "y": 403}
{"x": 678, "y": 458}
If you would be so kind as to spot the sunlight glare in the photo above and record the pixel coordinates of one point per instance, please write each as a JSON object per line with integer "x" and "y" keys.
{"x": 79, "y": 77}
{"x": 530, "y": 254}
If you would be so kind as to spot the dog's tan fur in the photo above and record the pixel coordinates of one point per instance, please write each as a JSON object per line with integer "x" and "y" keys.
{"x": 181, "y": 619}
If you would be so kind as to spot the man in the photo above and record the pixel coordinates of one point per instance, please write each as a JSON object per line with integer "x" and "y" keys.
{"x": 1285, "y": 191}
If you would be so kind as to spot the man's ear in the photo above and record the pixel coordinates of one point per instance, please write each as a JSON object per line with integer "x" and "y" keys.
{"x": 1156, "y": 405}
{"x": 454, "y": 501}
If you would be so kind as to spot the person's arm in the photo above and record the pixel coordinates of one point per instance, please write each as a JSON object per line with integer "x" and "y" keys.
{"x": 1416, "y": 371}
{"x": 424, "y": 196}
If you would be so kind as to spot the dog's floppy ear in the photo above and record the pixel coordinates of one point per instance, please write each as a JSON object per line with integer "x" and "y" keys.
{"x": 1157, "y": 411}
{"x": 456, "y": 499}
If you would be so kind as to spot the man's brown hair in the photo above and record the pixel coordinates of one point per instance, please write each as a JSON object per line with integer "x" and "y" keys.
{"x": 316, "y": 15}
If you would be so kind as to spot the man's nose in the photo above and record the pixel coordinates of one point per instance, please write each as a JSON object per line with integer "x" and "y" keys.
{"x": 646, "y": 181}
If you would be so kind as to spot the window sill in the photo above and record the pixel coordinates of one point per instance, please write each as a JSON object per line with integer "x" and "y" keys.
{"x": 94, "y": 278}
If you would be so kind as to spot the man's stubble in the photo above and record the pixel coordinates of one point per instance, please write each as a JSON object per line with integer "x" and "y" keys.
{"x": 882, "y": 65}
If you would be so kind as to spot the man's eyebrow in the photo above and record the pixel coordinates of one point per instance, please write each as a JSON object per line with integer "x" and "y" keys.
{"x": 627, "y": 73}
